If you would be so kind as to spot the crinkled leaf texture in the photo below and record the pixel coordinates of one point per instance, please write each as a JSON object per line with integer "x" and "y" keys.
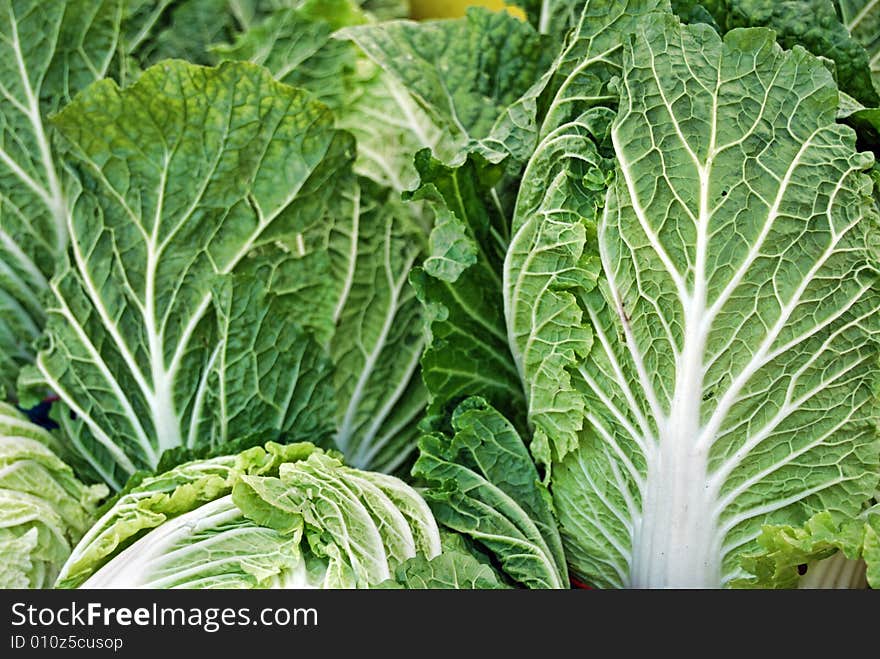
{"x": 590, "y": 59}
{"x": 299, "y": 51}
{"x": 184, "y": 29}
{"x": 484, "y": 484}
{"x": 378, "y": 337}
{"x": 460, "y": 287}
{"x": 467, "y": 74}
{"x": 550, "y": 16}
{"x": 720, "y": 376}
{"x": 375, "y": 241}
{"x": 298, "y": 46}
{"x": 270, "y": 517}
{"x": 862, "y": 19}
{"x": 44, "y": 509}
{"x": 191, "y": 176}
{"x": 49, "y": 51}
{"x": 463, "y": 282}
{"x": 815, "y": 25}
{"x": 389, "y": 126}
{"x": 453, "y": 569}
{"x": 842, "y": 32}
{"x": 836, "y": 552}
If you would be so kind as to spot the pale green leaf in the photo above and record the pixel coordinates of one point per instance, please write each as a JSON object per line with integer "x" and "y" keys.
{"x": 484, "y": 484}
{"x": 551, "y": 262}
{"x": 450, "y": 570}
{"x": 379, "y": 337}
{"x": 729, "y": 381}
{"x": 590, "y": 59}
{"x": 299, "y": 51}
{"x": 268, "y": 372}
{"x": 815, "y": 25}
{"x": 191, "y": 174}
{"x": 389, "y": 127}
{"x": 44, "y": 509}
{"x": 828, "y": 551}
{"x": 166, "y": 496}
{"x": 466, "y": 73}
{"x": 460, "y": 287}
{"x": 48, "y": 52}
{"x": 280, "y": 517}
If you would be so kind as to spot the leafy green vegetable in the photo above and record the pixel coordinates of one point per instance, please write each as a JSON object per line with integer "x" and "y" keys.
{"x": 813, "y": 24}
{"x": 449, "y": 570}
{"x": 485, "y": 485}
{"x": 467, "y": 74}
{"x": 460, "y": 288}
{"x": 299, "y": 51}
{"x": 44, "y": 509}
{"x": 182, "y": 185}
{"x": 266, "y": 374}
{"x": 605, "y": 283}
{"x": 186, "y": 29}
{"x": 50, "y": 51}
{"x": 378, "y": 338}
{"x": 836, "y": 551}
{"x": 590, "y": 59}
{"x": 280, "y": 516}
{"x": 862, "y": 19}
{"x": 162, "y": 360}
{"x": 592, "y": 321}
{"x": 389, "y": 126}
{"x": 838, "y": 31}
{"x": 294, "y": 39}
{"x": 550, "y": 263}
{"x": 710, "y": 12}
{"x": 729, "y": 382}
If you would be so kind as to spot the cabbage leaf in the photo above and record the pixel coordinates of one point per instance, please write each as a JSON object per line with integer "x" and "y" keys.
{"x": 270, "y": 517}
{"x": 714, "y": 374}
{"x": 44, "y": 508}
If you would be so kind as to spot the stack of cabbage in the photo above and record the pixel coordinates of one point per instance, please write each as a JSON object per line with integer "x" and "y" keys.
{"x": 44, "y": 509}
{"x": 333, "y": 299}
